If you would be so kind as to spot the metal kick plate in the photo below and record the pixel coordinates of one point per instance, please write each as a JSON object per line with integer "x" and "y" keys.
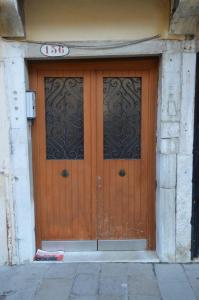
{"x": 69, "y": 246}
{"x": 94, "y": 245}
{"x": 122, "y": 245}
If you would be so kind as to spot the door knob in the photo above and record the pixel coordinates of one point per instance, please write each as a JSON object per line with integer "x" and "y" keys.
{"x": 64, "y": 173}
{"x": 122, "y": 173}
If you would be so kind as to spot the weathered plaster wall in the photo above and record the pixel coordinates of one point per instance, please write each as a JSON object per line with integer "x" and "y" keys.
{"x": 17, "y": 172}
{"x": 8, "y": 251}
{"x": 4, "y": 166}
{"x": 175, "y": 144}
{"x": 185, "y": 158}
{"x": 95, "y": 20}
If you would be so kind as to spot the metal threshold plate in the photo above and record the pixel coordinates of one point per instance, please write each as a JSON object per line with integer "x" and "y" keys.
{"x": 94, "y": 245}
{"x": 122, "y": 245}
{"x": 70, "y": 246}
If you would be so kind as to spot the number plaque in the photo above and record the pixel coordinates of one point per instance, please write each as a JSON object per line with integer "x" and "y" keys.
{"x": 54, "y": 50}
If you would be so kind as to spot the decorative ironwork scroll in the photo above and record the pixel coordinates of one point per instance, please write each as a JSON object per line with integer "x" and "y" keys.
{"x": 64, "y": 118}
{"x": 122, "y": 104}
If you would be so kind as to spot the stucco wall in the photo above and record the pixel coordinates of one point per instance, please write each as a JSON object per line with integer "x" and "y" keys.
{"x": 63, "y": 20}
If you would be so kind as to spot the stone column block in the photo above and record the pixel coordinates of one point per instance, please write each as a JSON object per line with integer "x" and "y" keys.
{"x": 165, "y": 211}
{"x": 183, "y": 207}
{"x": 166, "y": 171}
{"x": 168, "y": 146}
{"x": 187, "y": 103}
{"x": 170, "y": 130}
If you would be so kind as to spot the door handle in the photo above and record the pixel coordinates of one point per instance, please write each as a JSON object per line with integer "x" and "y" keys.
{"x": 65, "y": 173}
{"x": 122, "y": 173}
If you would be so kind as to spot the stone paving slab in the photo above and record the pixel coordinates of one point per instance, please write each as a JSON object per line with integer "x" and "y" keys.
{"x": 83, "y": 298}
{"x": 112, "y": 286}
{"x": 173, "y": 282}
{"x": 51, "y": 289}
{"x": 112, "y": 269}
{"x": 89, "y": 268}
{"x": 176, "y": 290}
{"x": 61, "y": 271}
{"x": 103, "y": 297}
{"x": 143, "y": 286}
{"x": 141, "y": 297}
{"x": 192, "y": 272}
{"x": 170, "y": 272}
{"x": 85, "y": 285}
{"x": 139, "y": 270}
{"x": 100, "y": 281}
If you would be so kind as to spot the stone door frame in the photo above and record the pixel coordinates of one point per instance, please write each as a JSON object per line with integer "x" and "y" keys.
{"x": 176, "y": 90}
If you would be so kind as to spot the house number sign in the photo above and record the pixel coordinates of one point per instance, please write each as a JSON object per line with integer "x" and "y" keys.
{"x": 54, "y": 50}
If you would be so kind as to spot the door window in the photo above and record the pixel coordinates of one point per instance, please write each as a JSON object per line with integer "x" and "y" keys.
{"x": 122, "y": 104}
{"x": 64, "y": 118}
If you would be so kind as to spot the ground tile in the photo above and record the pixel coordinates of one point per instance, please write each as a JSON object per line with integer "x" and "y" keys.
{"x": 192, "y": 273}
{"x": 88, "y": 268}
{"x": 27, "y": 294}
{"x": 139, "y": 270}
{"x": 170, "y": 272}
{"x": 113, "y": 269}
{"x": 172, "y": 290}
{"x": 141, "y": 297}
{"x": 85, "y": 285}
{"x": 34, "y": 270}
{"x": 115, "y": 297}
{"x": 83, "y": 298}
{"x": 7, "y": 295}
{"x": 61, "y": 271}
{"x": 192, "y": 270}
{"x": 54, "y": 289}
{"x": 8, "y": 277}
{"x": 12, "y": 286}
{"x": 143, "y": 286}
{"x": 114, "y": 285}
{"x": 103, "y": 297}
{"x": 195, "y": 286}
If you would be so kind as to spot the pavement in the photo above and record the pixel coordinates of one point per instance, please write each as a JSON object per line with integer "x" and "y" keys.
{"x": 99, "y": 281}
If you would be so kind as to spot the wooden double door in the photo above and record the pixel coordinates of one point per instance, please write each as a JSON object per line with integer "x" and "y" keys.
{"x": 94, "y": 151}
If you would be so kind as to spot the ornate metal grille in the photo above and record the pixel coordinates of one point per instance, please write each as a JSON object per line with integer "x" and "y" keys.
{"x": 122, "y": 104}
{"x": 64, "y": 118}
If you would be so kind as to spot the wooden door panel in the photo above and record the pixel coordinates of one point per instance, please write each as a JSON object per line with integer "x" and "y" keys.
{"x": 63, "y": 204}
{"x": 123, "y": 203}
{"x": 94, "y": 202}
